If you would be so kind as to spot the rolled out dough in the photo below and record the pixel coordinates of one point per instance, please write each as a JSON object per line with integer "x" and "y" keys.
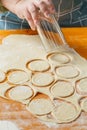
{"x": 2, "y": 76}
{"x": 55, "y": 74}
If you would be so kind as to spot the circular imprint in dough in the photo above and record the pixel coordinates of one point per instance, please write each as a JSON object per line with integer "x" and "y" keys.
{"x": 84, "y": 104}
{"x": 20, "y": 92}
{"x": 59, "y": 57}
{"x": 62, "y": 89}
{"x": 2, "y": 76}
{"x": 38, "y": 65}
{"x": 40, "y": 106}
{"x": 18, "y": 77}
{"x": 82, "y": 86}
{"x": 65, "y": 112}
{"x": 42, "y": 79}
{"x": 67, "y": 71}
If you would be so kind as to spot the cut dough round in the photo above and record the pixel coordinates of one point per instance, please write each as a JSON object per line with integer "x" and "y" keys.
{"x": 42, "y": 79}
{"x": 65, "y": 112}
{"x": 62, "y": 89}
{"x": 38, "y": 65}
{"x": 58, "y": 57}
{"x": 84, "y": 104}
{"x": 18, "y": 77}
{"x": 40, "y": 106}
{"x": 2, "y": 76}
{"x": 67, "y": 71}
{"x": 82, "y": 86}
{"x": 20, "y": 92}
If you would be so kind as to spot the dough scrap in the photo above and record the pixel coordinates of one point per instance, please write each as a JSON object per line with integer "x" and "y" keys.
{"x": 84, "y": 104}
{"x": 3, "y": 88}
{"x": 65, "y": 112}
{"x": 67, "y": 71}
{"x": 2, "y": 76}
{"x": 42, "y": 79}
{"x": 40, "y": 106}
{"x": 18, "y": 77}
{"x": 38, "y": 65}
{"x": 20, "y": 93}
{"x": 62, "y": 89}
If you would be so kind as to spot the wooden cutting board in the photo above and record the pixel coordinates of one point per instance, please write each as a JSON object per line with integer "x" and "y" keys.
{"x": 17, "y": 113}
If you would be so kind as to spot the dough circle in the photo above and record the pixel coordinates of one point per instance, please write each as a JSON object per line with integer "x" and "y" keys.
{"x": 62, "y": 89}
{"x": 42, "y": 79}
{"x": 40, "y": 106}
{"x": 2, "y": 76}
{"x": 38, "y": 65}
{"x": 84, "y": 104}
{"x": 20, "y": 92}
{"x": 82, "y": 86}
{"x": 67, "y": 71}
{"x": 65, "y": 112}
{"x": 18, "y": 77}
{"x": 59, "y": 58}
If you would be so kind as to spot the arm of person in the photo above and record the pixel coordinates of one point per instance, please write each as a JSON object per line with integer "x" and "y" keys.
{"x": 29, "y": 9}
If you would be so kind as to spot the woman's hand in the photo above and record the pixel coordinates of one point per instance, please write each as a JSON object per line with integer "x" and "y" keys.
{"x": 29, "y": 10}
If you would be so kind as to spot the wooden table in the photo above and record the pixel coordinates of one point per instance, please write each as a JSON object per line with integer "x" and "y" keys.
{"x": 17, "y": 113}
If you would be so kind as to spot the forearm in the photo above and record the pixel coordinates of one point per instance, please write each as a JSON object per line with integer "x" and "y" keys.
{"x": 10, "y": 4}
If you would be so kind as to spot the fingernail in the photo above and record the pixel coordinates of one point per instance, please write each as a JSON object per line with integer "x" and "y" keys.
{"x": 47, "y": 14}
{"x": 37, "y": 22}
{"x": 33, "y": 28}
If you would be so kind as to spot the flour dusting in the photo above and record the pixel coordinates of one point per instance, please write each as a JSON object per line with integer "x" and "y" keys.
{"x": 7, "y": 125}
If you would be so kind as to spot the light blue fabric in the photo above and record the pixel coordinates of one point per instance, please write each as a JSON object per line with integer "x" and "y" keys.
{"x": 70, "y": 13}
{"x": 9, "y": 20}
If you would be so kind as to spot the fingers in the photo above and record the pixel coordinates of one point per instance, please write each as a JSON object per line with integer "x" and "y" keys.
{"x": 45, "y": 6}
{"x": 30, "y": 10}
{"x": 29, "y": 18}
{"x": 50, "y": 5}
{"x": 34, "y": 13}
{"x": 31, "y": 15}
